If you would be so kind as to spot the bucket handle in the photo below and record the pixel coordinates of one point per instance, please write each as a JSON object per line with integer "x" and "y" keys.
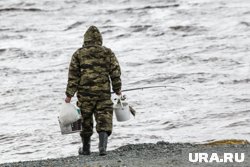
{"x": 120, "y": 98}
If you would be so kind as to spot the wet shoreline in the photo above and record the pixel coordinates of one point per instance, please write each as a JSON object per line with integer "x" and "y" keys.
{"x": 151, "y": 155}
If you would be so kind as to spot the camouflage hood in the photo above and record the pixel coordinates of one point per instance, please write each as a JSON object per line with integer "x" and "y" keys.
{"x": 92, "y": 36}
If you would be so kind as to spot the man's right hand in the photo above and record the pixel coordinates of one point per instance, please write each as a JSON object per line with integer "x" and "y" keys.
{"x": 118, "y": 93}
{"x": 67, "y": 99}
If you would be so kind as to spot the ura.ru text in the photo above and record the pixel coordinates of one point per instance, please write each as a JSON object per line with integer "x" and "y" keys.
{"x": 214, "y": 157}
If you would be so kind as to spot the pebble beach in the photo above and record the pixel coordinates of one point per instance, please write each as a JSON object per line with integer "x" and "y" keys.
{"x": 160, "y": 154}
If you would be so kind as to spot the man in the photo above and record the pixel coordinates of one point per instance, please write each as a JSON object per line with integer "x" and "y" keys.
{"x": 91, "y": 70}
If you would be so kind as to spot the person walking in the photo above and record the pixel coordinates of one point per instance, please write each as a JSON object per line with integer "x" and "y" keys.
{"x": 92, "y": 71}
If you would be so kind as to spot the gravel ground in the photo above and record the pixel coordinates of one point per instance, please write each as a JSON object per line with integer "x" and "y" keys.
{"x": 149, "y": 155}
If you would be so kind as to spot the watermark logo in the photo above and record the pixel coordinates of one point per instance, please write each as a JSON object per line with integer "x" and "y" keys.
{"x": 214, "y": 157}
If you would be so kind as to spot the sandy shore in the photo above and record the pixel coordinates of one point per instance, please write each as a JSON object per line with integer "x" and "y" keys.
{"x": 149, "y": 155}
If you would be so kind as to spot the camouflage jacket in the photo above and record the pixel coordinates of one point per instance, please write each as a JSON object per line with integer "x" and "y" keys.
{"x": 92, "y": 67}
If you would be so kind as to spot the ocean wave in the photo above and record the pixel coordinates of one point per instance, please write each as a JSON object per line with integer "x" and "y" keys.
{"x": 228, "y": 114}
{"x": 159, "y": 6}
{"x": 148, "y": 7}
{"x": 12, "y": 37}
{"x": 21, "y": 9}
{"x": 74, "y": 25}
{"x": 236, "y": 81}
{"x": 237, "y": 124}
{"x": 139, "y": 28}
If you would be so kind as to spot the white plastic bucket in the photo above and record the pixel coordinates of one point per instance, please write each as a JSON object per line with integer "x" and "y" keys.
{"x": 71, "y": 128}
{"x": 70, "y": 119}
{"x": 68, "y": 114}
{"x": 122, "y": 112}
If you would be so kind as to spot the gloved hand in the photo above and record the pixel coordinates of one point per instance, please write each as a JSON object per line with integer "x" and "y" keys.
{"x": 67, "y": 99}
{"x": 118, "y": 93}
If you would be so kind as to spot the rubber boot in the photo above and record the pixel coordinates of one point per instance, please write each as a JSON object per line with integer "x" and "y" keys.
{"x": 103, "y": 141}
{"x": 85, "y": 149}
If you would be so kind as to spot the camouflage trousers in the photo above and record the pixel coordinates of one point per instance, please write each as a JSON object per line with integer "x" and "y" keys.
{"x": 102, "y": 110}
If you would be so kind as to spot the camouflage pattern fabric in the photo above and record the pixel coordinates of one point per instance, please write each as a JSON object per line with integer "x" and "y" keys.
{"x": 92, "y": 67}
{"x": 103, "y": 112}
{"x": 92, "y": 71}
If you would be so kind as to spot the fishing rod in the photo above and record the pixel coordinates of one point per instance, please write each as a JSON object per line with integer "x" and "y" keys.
{"x": 150, "y": 87}
{"x": 131, "y": 109}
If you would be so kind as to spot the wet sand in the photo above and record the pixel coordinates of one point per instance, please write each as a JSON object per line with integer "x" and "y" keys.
{"x": 149, "y": 155}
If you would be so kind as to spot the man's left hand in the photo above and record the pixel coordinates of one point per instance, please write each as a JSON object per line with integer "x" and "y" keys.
{"x": 67, "y": 99}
